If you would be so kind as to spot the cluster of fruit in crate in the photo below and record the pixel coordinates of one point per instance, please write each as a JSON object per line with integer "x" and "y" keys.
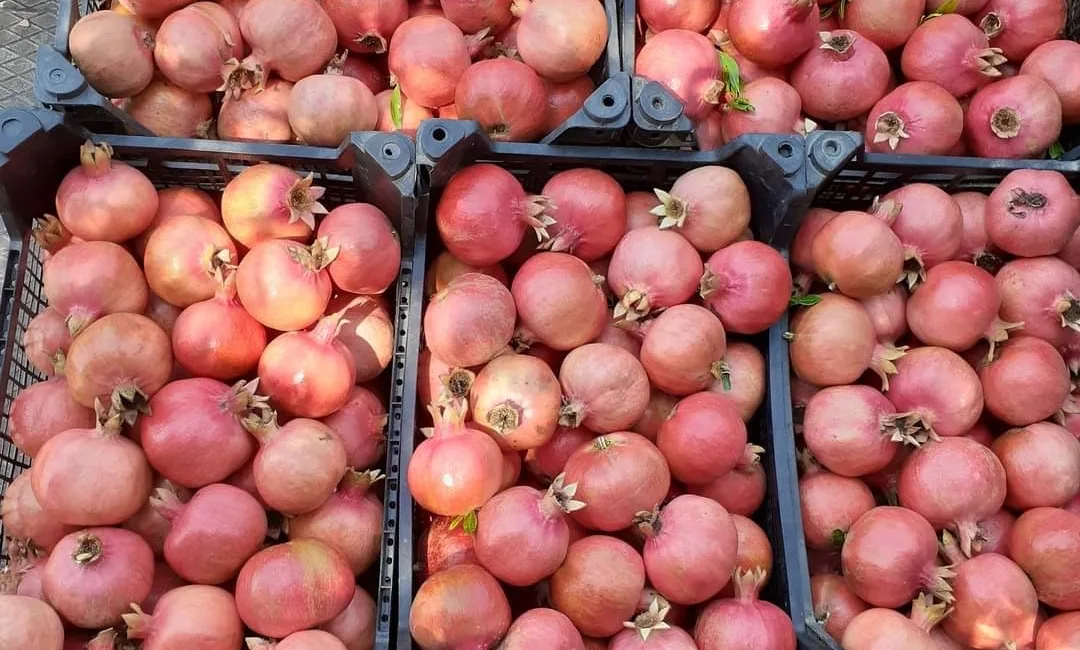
{"x": 275, "y": 62}
{"x": 952, "y": 477}
{"x": 144, "y": 511}
{"x": 588, "y": 481}
{"x": 985, "y": 78}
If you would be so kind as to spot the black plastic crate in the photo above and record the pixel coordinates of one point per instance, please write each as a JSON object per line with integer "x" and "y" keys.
{"x": 59, "y": 85}
{"x": 865, "y": 177}
{"x": 37, "y": 148}
{"x": 782, "y": 174}
{"x": 658, "y": 119}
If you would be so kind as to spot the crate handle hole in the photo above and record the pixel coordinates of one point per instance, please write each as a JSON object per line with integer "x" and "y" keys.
{"x": 832, "y": 147}
{"x": 607, "y": 100}
{"x": 786, "y": 150}
{"x": 657, "y": 102}
{"x": 390, "y": 150}
{"x": 438, "y": 134}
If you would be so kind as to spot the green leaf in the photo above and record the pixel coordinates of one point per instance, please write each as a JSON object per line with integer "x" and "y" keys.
{"x": 742, "y": 105}
{"x": 467, "y": 521}
{"x": 836, "y": 539}
{"x": 948, "y": 7}
{"x": 732, "y": 76}
{"x": 395, "y": 107}
{"x": 1056, "y": 151}
{"x": 725, "y": 381}
{"x": 809, "y": 300}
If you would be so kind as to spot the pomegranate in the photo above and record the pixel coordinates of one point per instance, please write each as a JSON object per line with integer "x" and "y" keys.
{"x": 368, "y": 333}
{"x": 446, "y": 267}
{"x": 605, "y": 388}
{"x": 888, "y": 313}
{"x": 460, "y": 607}
{"x": 652, "y": 269}
{"x": 1032, "y": 213}
{"x": 43, "y": 410}
{"x": 888, "y": 557}
{"x": 484, "y": 213}
{"x": 457, "y": 469}
{"x": 1043, "y": 294}
{"x": 175, "y": 202}
{"x": 549, "y": 460}
{"x": 470, "y": 321}
{"x": 884, "y": 629}
{"x": 195, "y": 434}
{"x": 918, "y": 117}
{"x": 170, "y": 111}
{"x": 302, "y": 640}
{"x": 428, "y": 56}
{"x": 832, "y": 342}
{"x": 1052, "y": 449}
{"x": 777, "y": 109}
{"x": 835, "y": 603}
{"x": 680, "y": 364}
{"x": 183, "y": 257}
{"x": 831, "y": 504}
{"x": 355, "y": 626}
{"x": 956, "y": 306}
{"x": 350, "y": 521}
{"x": 995, "y": 604}
{"x": 703, "y": 438}
{"x": 675, "y": 537}
{"x": 506, "y": 97}
{"x": 516, "y": 399}
{"x": 361, "y": 425}
{"x": 257, "y": 115}
{"x": 954, "y": 483}
{"x": 523, "y": 535}
{"x": 365, "y": 26}
{"x": 70, "y": 491}
{"x": 742, "y": 378}
{"x": 87, "y": 280}
{"x": 744, "y": 621}
{"x": 775, "y": 33}
{"x": 284, "y": 284}
{"x": 693, "y": 16}
{"x": 928, "y": 223}
{"x": 1017, "y": 28}
{"x": 710, "y": 207}
{"x": 589, "y": 208}
{"x": 742, "y": 490}
{"x": 93, "y": 575}
{"x": 748, "y": 285}
{"x": 309, "y": 374}
{"x": 888, "y": 24}
{"x": 1044, "y": 543}
{"x": 854, "y": 430}
{"x": 122, "y": 68}
{"x": 599, "y": 584}
{"x": 953, "y": 53}
{"x": 30, "y": 624}
{"x": 1059, "y": 632}
{"x": 103, "y": 199}
{"x": 298, "y": 464}
{"x": 843, "y": 77}
{"x": 293, "y": 586}
{"x": 1049, "y": 62}
{"x": 618, "y": 475}
{"x": 193, "y": 614}
{"x": 539, "y": 627}
{"x": 639, "y": 206}
{"x": 858, "y": 254}
{"x": 999, "y": 113}
{"x": 940, "y": 389}
{"x": 369, "y": 250}
{"x": 994, "y": 532}
{"x": 446, "y": 543}
{"x": 217, "y": 338}
{"x": 561, "y": 39}
{"x": 370, "y": 70}
{"x": 441, "y": 382}
{"x": 270, "y": 202}
{"x": 686, "y": 64}
{"x": 24, "y": 517}
{"x": 193, "y": 44}
{"x": 46, "y": 341}
{"x": 325, "y": 108}
{"x": 153, "y": 526}
{"x": 293, "y": 39}
{"x": 802, "y": 246}
{"x": 1027, "y": 381}
{"x": 565, "y": 99}
{"x": 560, "y": 300}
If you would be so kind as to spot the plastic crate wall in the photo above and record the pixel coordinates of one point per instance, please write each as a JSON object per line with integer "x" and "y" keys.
{"x": 37, "y": 148}
{"x": 781, "y": 183}
{"x": 58, "y": 84}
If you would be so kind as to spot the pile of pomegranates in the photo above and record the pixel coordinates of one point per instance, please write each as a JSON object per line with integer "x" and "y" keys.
{"x": 312, "y": 71}
{"x": 587, "y": 481}
{"x": 945, "y": 483}
{"x": 986, "y": 78}
{"x": 204, "y": 449}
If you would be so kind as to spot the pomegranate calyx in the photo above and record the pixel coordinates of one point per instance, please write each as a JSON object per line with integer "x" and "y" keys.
{"x": 1021, "y": 201}
{"x": 707, "y": 286}
{"x": 87, "y": 549}
{"x": 262, "y": 424}
{"x": 908, "y": 428}
{"x": 504, "y": 417}
{"x": 478, "y": 42}
{"x": 237, "y": 76}
{"x": 259, "y": 643}
{"x": 336, "y": 64}
{"x": 938, "y": 585}
{"x": 370, "y": 42}
{"x": 633, "y": 306}
{"x": 748, "y": 583}
{"x": 536, "y": 215}
{"x": 449, "y": 415}
{"x": 949, "y": 548}
{"x": 571, "y": 413}
{"x": 884, "y": 360}
{"x": 166, "y": 501}
{"x": 721, "y": 371}
{"x": 126, "y": 404}
{"x": 968, "y": 534}
{"x": 926, "y": 613}
{"x": 108, "y": 639}
{"x": 359, "y": 482}
{"x": 890, "y": 128}
{"x": 50, "y": 234}
{"x": 914, "y": 272}
{"x": 998, "y": 332}
{"x": 96, "y": 159}
{"x": 988, "y": 61}
{"x": 837, "y": 42}
{"x": 303, "y": 201}
{"x": 560, "y": 497}
{"x": 138, "y": 622}
{"x": 991, "y": 25}
{"x": 988, "y": 261}
{"x": 714, "y": 92}
{"x": 245, "y": 402}
{"x": 651, "y": 619}
{"x": 751, "y": 458}
{"x": 456, "y": 384}
{"x": 1005, "y": 123}
{"x": 648, "y": 523}
{"x": 807, "y": 463}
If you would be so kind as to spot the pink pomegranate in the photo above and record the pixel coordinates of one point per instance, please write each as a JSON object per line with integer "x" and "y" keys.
{"x": 853, "y": 430}
{"x": 1032, "y": 213}
{"x": 888, "y": 24}
{"x": 470, "y": 321}
{"x": 1026, "y": 382}
{"x": 292, "y": 38}
{"x": 843, "y": 77}
{"x": 1042, "y": 293}
{"x": 561, "y": 39}
{"x": 589, "y": 209}
{"x": 559, "y": 300}
{"x": 366, "y": 26}
{"x": 652, "y": 269}
{"x": 257, "y": 115}
{"x": 744, "y": 621}
{"x": 703, "y": 438}
{"x": 516, "y": 398}
{"x": 428, "y": 56}
{"x": 1017, "y": 28}
{"x": 777, "y": 109}
{"x": 1051, "y": 448}
{"x": 748, "y": 285}
{"x": 599, "y": 584}
{"x": 1051, "y": 62}
{"x": 832, "y": 342}
{"x": 92, "y": 195}
{"x": 831, "y": 504}
{"x": 928, "y": 223}
{"x": 925, "y": 376}
{"x": 918, "y": 117}
{"x": 126, "y": 65}
{"x": 605, "y": 388}
{"x": 1044, "y": 543}
{"x": 506, "y": 97}
{"x": 952, "y": 52}
{"x": 999, "y": 113}
{"x": 350, "y": 521}
{"x": 687, "y": 65}
{"x": 193, "y": 45}
{"x": 775, "y": 33}
{"x": 709, "y": 206}
{"x": 858, "y": 254}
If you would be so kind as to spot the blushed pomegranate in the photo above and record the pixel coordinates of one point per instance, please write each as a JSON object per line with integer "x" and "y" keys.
{"x": 995, "y": 604}
{"x": 953, "y": 53}
{"x": 605, "y": 388}
{"x": 87, "y": 280}
{"x": 686, "y": 64}
{"x": 284, "y": 284}
{"x": 561, "y": 39}
{"x": 193, "y": 45}
{"x": 853, "y": 430}
{"x": 777, "y": 109}
{"x": 832, "y": 342}
{"x": 742, "y": 490}
{"x": 917, "y": 117}
{"x": 940, "y": 388}
{"x": 298, "y": 464}
{"x": 835, "y": 603}
{"x": 618, "y": 475}
{"x": 957, "y": 306}
{"x": 703, "y": 438}
{"x": 1050, "y": 62}
{"x": 652, "y": 269}
{"x": 470, "y": 321}
{"x": 831, "y": 504}
{"x": 293, "y": 39}
{"x": 844, "y": 76}
{"x": 217, "y": 338}
{"x": 428, "y": 56}
{"x": 257, "y": 115}
{"x": 773, "y": 34}
{"x": 999, "y": 113}
{"x": 1044, "y": 543}
{"x": 270, "y": 202}
{"x": 599, "y": 584}
{"x": 43, "y": 410}
{"x": 506, "y": 97}
{"x": 25, "y": 518}
{"x": 748, "y": 285}
{"x": 325, "y": 108}
{"x": 361, "y": 425}
{"x": 744, "y": 619}
{"x": 446, "y": 544}
{"x": 1025, "y": 381}
{"x": 366, "y": 27}
{"x": 1019, "y": 27}
{"x": 560, "y": 300}
{"x": 858, "y": 254}
{"x": 126, "y": 65}
{"x": 709, "y": 206}
{"x": 516, "y": 399}
{"x": 589, "y": 209}
{"x": 1032, "y": 213}
{"x": 463, "y": 606}
{"x": 888, "y": 24}
{"x": 1052, "y": 449}
{"x": 1043, "y": 294}
{"x": 541, "y": 626}
{"x": 678, "y": 362}
{"x": 192, "y": 614}
{"x": 928, "y": 223}
{"x": 350, "y": 521}
{"x": 103, "y": 199}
